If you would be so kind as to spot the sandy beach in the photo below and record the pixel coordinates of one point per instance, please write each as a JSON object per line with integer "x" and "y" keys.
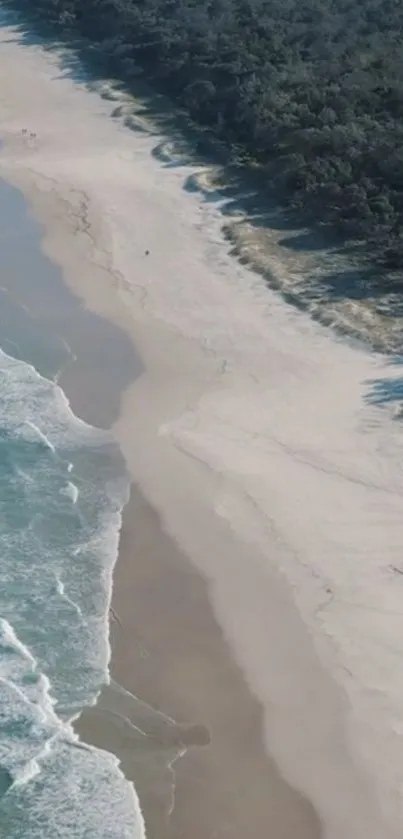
{"x": 256, "y": 618}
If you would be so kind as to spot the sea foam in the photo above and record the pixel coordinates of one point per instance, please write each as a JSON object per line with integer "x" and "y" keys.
{"x": 62, "y": 489}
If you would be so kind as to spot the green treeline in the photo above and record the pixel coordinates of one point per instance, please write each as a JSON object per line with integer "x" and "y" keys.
{"x": 311, "y": 89}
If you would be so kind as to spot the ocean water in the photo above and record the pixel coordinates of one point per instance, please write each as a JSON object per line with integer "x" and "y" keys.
{"x": 62, "y": 489}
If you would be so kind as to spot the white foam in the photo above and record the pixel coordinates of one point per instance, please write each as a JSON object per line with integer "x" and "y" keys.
{"x": 9, "y": 639}
{"x": 24, "y": 699}
{"x": 46, "y": 746}
{"x": 36, "y": 744}
{"x": 72, "y": 491}
{"x": 27, "y": 773}
{"x": 41, "y": 436}
{"x": 61, "y": 590}
{"x": 30, "y": 401}
{"x": 12, "y": 670}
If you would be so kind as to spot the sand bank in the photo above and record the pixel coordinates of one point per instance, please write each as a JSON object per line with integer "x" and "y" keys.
{"x": 256, "y": 435}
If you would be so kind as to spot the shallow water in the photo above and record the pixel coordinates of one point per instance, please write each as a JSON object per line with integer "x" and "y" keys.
{"x": 62, "y": 488}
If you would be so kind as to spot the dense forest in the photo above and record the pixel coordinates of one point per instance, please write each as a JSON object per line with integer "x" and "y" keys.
{"x": 312, "y": 90}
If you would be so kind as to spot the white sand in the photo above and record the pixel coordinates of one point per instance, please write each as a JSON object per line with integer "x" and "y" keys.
{"x": 250, "y": 432}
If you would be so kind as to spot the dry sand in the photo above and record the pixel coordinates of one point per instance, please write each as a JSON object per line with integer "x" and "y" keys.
{"x": 251, "y": 430}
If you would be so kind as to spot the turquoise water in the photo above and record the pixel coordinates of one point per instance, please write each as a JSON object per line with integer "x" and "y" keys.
{"x": 62, "y": 489}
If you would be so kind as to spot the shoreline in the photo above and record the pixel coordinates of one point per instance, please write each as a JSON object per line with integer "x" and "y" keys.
{"x": 212, "y": 409}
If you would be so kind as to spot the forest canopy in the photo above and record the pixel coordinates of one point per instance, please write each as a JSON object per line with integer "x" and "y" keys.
{"x": 314, "y": 87}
